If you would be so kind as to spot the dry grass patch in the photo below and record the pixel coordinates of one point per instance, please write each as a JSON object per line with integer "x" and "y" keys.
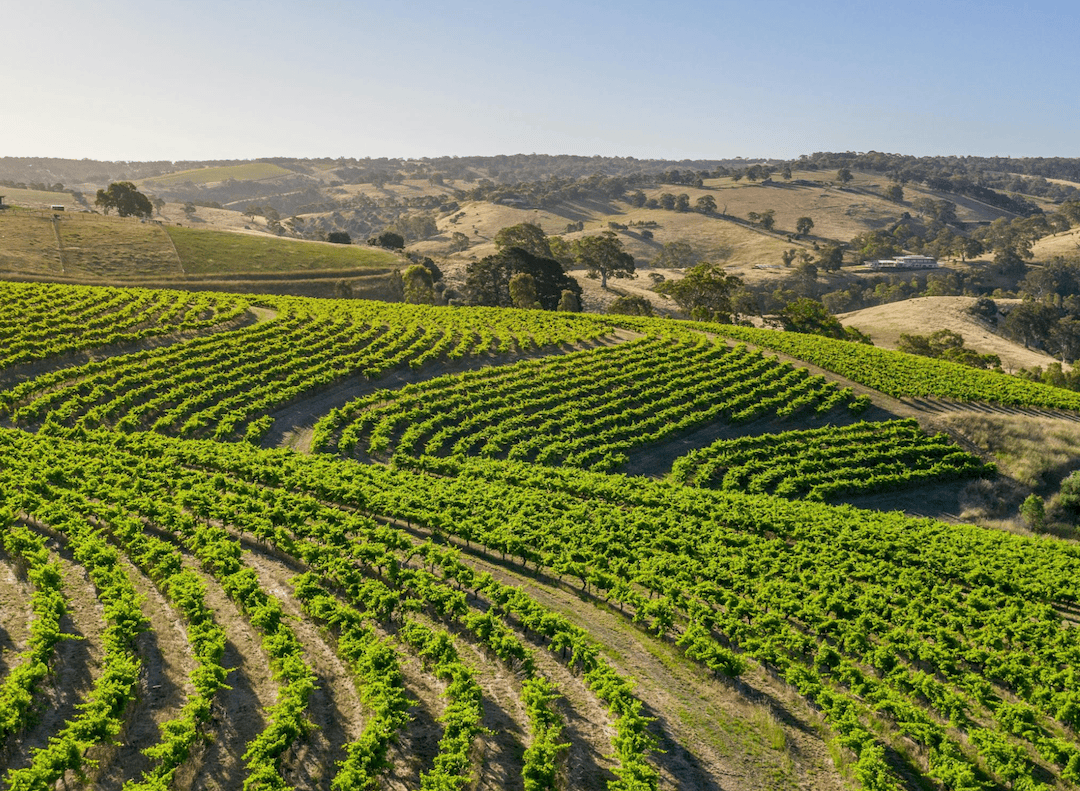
{"x": 115, "y": 248}
{"x": 28, "y": 243}
{"x": 1032, "y": 453}
{"x": 925, "y": 315}
{"x": 1065, "y": 244}
{"x": 36, "y": 198}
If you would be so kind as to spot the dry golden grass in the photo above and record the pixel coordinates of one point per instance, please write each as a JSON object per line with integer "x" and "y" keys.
{"x": 924, "y": 315}
{"x": 1033, "y": 450}
{"x": 96, "y": 246}
{"x": 36, "y": 199}
{"x": 1033, "y": 453}
{"x": 1064, "y": 244}
{"x": 28, "y": 243}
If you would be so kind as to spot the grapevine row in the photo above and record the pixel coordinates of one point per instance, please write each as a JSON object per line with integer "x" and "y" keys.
{"x": 585, "y": 411}
{"x": 38, "y": 321}
{"x": 816, "y": 463}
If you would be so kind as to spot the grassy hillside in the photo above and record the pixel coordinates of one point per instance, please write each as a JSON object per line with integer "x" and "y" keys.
{"x": 36, "y": 199}
{"x": 28, "y": 243}
{"x": 248, "y": 171}
{"x": 216, "y": 252}
{"x": 925, "y": 315}
{"x": 92, "y": 248}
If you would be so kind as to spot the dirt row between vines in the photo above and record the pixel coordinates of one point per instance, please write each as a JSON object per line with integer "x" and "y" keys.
{"x": 713, "y": 735}
{"x": 76, "y": 662}
{"x": 15, "y": 613}
{"x": 498, "y": 754}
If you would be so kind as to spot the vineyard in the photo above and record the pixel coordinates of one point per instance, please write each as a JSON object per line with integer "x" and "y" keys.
{"x": 455, "y": 589}
{"x": 822, "y": 463}
{"x": 908, "y": 375}
{"x": 583, "y": 410}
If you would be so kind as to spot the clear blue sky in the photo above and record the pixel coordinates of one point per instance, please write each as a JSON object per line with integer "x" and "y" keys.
{"x": 237, "y": 79}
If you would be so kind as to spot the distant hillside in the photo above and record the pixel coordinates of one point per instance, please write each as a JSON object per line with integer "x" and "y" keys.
{"x": 246, "y": 172}
{"x": 89, "y": 248}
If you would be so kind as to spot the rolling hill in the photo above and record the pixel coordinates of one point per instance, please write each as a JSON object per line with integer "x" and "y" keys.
{"x": 453, "y": 585}
{"x": 926, "y": 315}
{"x": 89, "y": 248}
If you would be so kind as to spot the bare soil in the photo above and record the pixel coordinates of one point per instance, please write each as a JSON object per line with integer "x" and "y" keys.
{"x": 15, "y": 613}
{"x": 238, "y": 711}
{"x": 498, "y": 755}
{"x": 713, "y": 735}
{"x": 76, "y": 666}
{"x": 335, "y": 707}
{"x": 417, "y": 745}
{"x": 164, "y": 685}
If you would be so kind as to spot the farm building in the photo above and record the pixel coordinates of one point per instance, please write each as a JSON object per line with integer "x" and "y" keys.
{"x": 906, "y": 262}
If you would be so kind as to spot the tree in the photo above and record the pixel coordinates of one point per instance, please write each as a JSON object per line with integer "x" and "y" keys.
{"x": 418, "y": 285}
{"x": 603, "y": 256}
{"x": 636, "y": 199}
{"x": 706, "y": 204}
{"x": 831, "y": 258}
{"x": 189, "y": 210}
{"x": 766, "y": 219}
{"x": 529, "y": 237}
{"x": 675, "y": 255}
{"x": 523, "y": 291}
{"x": 895, "y": 193}
{"x": 967, "y": 248}
{"x": 786, "y": 173}
{"x": 705, "y": 292}
{"x": 458, "y": 242}
{"x": 682, "y": 202}
{"x": 1009, "y": 263}
{"x": 487, "y": 281}
{"x": 415, "y": 227}
{"x": 569, "y": 302}
{"x": 339, "y": 237}
{"x": 843, "y": 175}
{"x": 874, "y": 245}
{"x": 1029, "y": 323}
{"x": 811, "y": 317}
{"x": 1069, "y": 496}
{"x": 126, "y": 199}
{"x": 631, "y": 305}
{"x": 1065, "y": 339}
{"x": 1033, "y": 511}
{"x": 389, "y": 240}
{"x": 803, "y": 225}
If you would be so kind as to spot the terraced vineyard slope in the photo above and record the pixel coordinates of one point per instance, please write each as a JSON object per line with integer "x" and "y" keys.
{"x": 455, "y": 591}
{"x": 822, "y": 463}
{"x": 583, "y": 410}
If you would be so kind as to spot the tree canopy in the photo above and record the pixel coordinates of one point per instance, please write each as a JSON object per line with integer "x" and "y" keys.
{"x": 487, "y": 281}
{"x": 603, "y": 256}
{"x": 527, "y": 236}
{"x": 126, "y": 199}
{"x": 389, "y": 240}
{"x": 705, "y": 292}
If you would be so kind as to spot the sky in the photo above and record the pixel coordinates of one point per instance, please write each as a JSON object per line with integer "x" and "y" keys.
{"x": 693, "y": 79}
